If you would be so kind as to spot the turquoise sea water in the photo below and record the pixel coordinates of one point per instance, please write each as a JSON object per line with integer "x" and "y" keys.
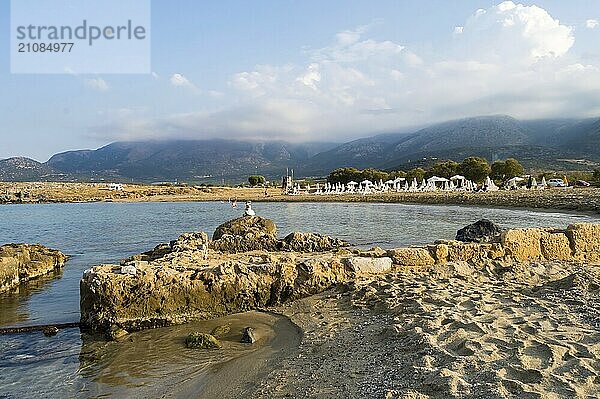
{"x": 32, "y": 365}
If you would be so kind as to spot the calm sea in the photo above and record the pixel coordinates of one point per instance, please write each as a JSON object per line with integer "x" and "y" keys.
{"x": 75, "y": 365}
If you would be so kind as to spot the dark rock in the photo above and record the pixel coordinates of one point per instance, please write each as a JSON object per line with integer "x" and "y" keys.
{"x": 310, "y": 242}
{"x": 198, "y": 340}
{"x": 248, "y": 336}
{"x": 482, "y": 231}
{"x": 50, "y": 331}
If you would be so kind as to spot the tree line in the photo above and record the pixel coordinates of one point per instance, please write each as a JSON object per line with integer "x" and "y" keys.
{"x": 472, "y": 168}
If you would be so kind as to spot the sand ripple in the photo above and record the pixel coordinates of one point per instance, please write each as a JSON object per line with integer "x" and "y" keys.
{"x": 526, "y": 332}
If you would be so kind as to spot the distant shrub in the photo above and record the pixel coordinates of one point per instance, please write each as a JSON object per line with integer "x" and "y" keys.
{"x": 255, "y": 180}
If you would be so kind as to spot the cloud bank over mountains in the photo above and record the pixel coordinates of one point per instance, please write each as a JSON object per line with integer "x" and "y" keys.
{"x": 508, "y": 59}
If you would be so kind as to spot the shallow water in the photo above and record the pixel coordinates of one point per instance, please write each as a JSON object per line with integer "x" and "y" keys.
{"x": 35, "y": 366}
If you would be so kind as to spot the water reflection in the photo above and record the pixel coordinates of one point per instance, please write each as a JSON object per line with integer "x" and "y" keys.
{"x": 12, "y": 310}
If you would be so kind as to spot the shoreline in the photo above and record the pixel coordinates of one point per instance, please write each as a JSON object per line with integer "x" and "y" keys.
{"x": 580, "y": 200}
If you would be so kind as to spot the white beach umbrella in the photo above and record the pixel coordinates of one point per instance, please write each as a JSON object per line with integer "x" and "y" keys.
{"x": 436, "y": 179}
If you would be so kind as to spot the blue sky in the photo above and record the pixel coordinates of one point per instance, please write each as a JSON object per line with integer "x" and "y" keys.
{"x": 315, "y": 70}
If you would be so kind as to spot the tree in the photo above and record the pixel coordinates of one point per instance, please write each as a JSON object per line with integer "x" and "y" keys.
{"x": 416, "y": 173}
{"x": 445, "y": 169}
{"x": 344, "y": 175}
{"x": 504, "y": 170}
{"x": 498, "y": 171}
{"x": 513, "y": 168}
{"x": 374, "y": 175}
{"x": 255, "y": 180}
{"x": 475, "y": 168}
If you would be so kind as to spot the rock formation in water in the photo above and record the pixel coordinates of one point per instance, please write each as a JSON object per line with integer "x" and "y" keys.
{"x": 23, "y": 262}
{"x": 193, "y": 278}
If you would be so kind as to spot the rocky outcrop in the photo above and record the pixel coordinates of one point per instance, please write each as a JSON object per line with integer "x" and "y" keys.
{"x": 247, "y": 233}
{"x": 251, "y": 233}
{"x": 23, "y": 262}
{"x": 192, "y": 278}
{"x": 413, "y": 257}
{"x": 482, "y": 231}
{"x": 310, "y": 242}
{"x": 197, "y": 242}
{"x": 184, "y": 286}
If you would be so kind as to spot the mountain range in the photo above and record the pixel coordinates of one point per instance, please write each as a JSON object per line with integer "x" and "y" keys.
{"x": 561, "y": 144}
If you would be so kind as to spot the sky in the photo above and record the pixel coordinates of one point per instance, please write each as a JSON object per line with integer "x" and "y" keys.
{"x": 314, "y": 71}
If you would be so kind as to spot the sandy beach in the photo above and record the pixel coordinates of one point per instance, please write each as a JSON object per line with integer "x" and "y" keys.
{"x": 526, "y": 333}
{"x": 572, "y": 199}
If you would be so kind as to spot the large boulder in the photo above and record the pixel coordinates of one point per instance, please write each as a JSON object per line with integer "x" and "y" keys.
{"x": 310, "y": 242}
{"x": 411, "y": 257}
{"x": 482, "y": 231}
{"x": 255, "y": 225}
{"x": 586, "y": 241}
{"x": 368, "y": 265}
{"x": 523, "y": 245}
{"x": 23, "y": 262}
{"x": 248, "y": 233}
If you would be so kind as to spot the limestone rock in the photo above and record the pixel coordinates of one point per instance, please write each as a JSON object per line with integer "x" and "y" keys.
{"x": 248, "y": 233}
{"x": 255, "y": 225}
{"x": 414, "y": 256}
{"x": 129, "y": 269}
{"x": 23, "y": 262}
{"x": 482, "y": 231}
{"x": 180, "y": 288}
{"x": 310, "y": 242}
{"x": 248, "y": 336}
{"x": 250, "y": 242}
{"x": 196, "y": 242}
{"x": 198, "y": 340}
{"x": 368, "y": 265}
{"x": 523, "y": 244}
{"x": 440, "y": 252}
{"x": 586, "y": 241}
{"x": 555, "y": 245}
{"x": 473, "y": 252}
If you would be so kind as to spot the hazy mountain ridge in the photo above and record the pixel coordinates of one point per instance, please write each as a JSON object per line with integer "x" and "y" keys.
{"x": 537, "y": 143}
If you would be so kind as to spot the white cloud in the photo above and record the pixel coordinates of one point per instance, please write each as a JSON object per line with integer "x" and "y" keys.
{"x": 509, "y": 58}
{"x": 591, "y": 23}
{"x": 97, "y": 84}
{"x": 526, "y": 33}
{"x": 179, "y": 80}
